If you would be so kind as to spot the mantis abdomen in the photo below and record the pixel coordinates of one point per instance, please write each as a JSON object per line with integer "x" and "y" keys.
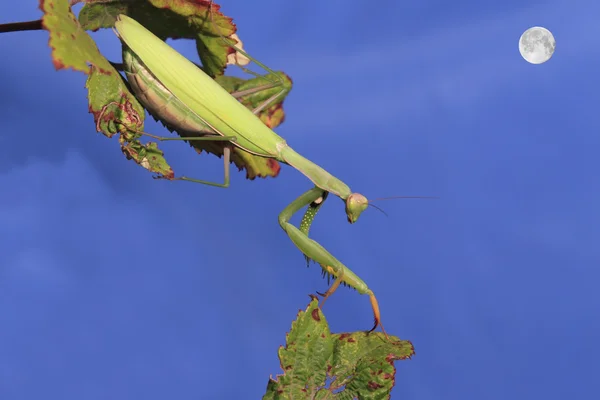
{"x": 158, "y": 100}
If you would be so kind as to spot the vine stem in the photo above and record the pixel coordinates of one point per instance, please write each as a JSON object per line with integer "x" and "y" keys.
{"x": 22, "y": 26}
{"x": 37, "y": 24}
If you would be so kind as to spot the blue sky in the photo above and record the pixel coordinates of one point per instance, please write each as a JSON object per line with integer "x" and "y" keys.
{"x": 114, "y": 285}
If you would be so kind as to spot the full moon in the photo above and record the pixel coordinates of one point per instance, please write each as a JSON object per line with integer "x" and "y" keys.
{"x": 537, "y": 45}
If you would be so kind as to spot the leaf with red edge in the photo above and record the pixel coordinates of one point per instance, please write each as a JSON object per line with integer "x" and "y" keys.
{"x": 115, "y": 109}
{"x": 73, "y": 48}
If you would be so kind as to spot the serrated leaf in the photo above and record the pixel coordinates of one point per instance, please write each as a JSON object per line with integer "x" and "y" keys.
{"x": 114, "y": 108}
{"x": 359, "y": 365}
{"x": 71, "y": 46}
{"x": 304, "y": 358}
{"x": 192, "y": 19}
{"x": 363, "y": 364}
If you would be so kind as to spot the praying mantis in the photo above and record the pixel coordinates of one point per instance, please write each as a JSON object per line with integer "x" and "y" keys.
{"x": 178, "y": 92}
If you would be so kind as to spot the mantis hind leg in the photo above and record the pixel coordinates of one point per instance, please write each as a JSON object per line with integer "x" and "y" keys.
{"x": 207, "y": 138}
{"x": 314, "y": 251}
{"x": 226, "y": 164}
{"x": 214, "y": 138}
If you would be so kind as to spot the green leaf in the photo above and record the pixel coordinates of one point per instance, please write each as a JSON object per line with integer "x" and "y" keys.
{"x": 190, "y": 19}
{"x": 304, "y": 358}
{"x": 357, "y": 365}
{"x": 114, "y": 108}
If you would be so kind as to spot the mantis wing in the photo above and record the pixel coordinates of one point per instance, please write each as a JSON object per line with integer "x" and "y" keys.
{"x": 272, "y": 116}
{"x": 206, "y": 98}
{"x": 177, "y": 117}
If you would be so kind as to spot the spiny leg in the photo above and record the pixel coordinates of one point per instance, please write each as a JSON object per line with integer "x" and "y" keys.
{"x": 372, "y": 299}
{"x": 332, "y": 289}
{"x": 319, "y": 254}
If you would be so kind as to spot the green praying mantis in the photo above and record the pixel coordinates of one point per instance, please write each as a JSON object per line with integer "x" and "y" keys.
{"x": 175, "y": 90}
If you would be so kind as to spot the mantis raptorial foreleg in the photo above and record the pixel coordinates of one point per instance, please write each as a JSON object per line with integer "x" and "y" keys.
{"x": 309, "y": 217}
{"x": 305, "y": 223}
{"x": 314, "y": 198}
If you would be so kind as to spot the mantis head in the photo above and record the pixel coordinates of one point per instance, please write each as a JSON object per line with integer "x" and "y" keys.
{"x": 356, "y": 203}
